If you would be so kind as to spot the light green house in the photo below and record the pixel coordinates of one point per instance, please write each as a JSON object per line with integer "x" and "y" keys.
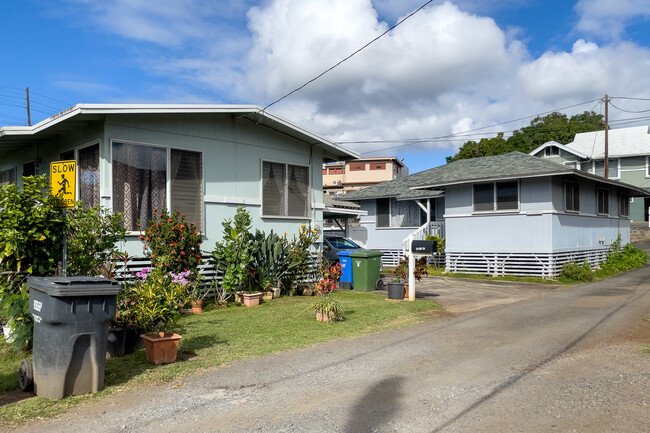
{"x": 628, "y": 159}
{"x": 202, "y": 160}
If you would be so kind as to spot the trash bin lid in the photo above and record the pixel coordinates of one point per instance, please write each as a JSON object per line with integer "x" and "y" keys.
{"x": 366, "y": 253}
{"x": 345, "y": 253}
{"x": 74, "y": 286}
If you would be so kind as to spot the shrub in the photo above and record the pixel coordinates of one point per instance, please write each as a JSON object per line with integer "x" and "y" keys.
{"x": 31, "y": 239}
{"x": 14, "y": 306}
{"x": 159, "y": 296}
{"x": 169, "y": 235}
{"x": 577, "y": 272}
{"x": 620, "y": 260}
{"x": 235, "y": 253}
{"x": 300, "y": 255}
{"x": 92, "y": 239}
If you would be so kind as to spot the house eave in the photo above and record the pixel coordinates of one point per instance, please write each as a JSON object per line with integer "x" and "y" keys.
{"x": 252, "y": 112}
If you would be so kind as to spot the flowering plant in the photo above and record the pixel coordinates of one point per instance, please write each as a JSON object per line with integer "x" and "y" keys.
{"x": 158, "y": 297}
{"x": 329, "y": 275}
{"x": 169, "y": 235}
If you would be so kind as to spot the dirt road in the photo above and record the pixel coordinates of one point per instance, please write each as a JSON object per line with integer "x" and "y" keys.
{"x": 567, "y": 360}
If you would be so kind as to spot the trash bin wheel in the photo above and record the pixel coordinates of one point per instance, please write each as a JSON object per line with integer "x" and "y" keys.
{"x": 26, "y": 375}
{"x": 379, "y": 285}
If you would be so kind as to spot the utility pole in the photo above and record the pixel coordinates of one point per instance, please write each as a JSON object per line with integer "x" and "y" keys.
{"x": 29, "y": 115}
{"x": 606, "y": 138}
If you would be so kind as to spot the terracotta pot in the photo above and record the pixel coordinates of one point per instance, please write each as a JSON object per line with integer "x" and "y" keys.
{"x": 267, "y": 296}
{"x": 251, "y": 299}
{"x": 322, "y": 317}
{"x": 197, "y": 306}
{"x": 406, "y": 291}
{"x": 307, "y": 292}
{"x": 161, "y": 348}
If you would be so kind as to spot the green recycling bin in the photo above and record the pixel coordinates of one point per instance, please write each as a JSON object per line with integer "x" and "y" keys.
{"x": 366, "y": 265}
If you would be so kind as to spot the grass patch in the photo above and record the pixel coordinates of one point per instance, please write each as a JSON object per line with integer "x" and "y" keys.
{"x": 216, "y": 337}
{"x": 646, "y": 350}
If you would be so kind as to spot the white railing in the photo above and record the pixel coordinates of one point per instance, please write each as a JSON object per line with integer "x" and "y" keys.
{"x": 431, "y": 228}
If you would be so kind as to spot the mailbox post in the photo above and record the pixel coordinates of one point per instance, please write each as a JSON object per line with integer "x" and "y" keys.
{"x": 418, "y": 248}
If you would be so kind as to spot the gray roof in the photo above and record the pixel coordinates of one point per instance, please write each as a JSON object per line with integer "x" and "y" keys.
{"x": 513, "y": 165}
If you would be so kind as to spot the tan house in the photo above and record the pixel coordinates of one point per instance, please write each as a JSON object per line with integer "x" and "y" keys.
{"x": 346, "y": 176}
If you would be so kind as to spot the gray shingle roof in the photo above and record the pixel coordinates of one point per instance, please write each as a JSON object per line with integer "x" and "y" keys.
{"x": 513, "y": 165}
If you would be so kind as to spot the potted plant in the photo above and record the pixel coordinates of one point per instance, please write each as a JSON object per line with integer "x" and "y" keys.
{"x": 327, "y": 309}
{"x": 160, "y": 296}
{"x": 233, "y": 256}
{"x": 400, "y": 276}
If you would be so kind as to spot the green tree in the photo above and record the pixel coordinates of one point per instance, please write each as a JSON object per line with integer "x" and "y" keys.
{"x": 552, "y": 127}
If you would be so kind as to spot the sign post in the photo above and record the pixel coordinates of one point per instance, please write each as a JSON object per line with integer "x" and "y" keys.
{"x": 63, "y": 186}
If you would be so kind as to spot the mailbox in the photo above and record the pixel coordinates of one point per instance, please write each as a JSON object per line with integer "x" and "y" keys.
{"x": 424, "y": 247}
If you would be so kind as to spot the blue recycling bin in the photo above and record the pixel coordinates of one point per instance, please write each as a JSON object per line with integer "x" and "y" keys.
{"x": 346, "y": 269}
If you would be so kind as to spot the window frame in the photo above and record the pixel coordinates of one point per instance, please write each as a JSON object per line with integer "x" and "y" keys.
{"x": 618, "y": 168}
{"x": 13, "y": 174}
{"x": 495, "y": 197}
{"x": 602, "y": 201}
{"x": 201, "y": 224}
{"x": 389, "y": 214}
{"x": 623, "y": 205}
{"x": 286, "y": 190}
{"x": 576, "y": 194}
{"x": 75, "y": 155}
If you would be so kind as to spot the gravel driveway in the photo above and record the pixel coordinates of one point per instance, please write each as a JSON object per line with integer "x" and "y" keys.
{"x": 566, "y": 360}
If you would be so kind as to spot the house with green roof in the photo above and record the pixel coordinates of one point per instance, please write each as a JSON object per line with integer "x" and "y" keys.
{"x": 512, "y": 214}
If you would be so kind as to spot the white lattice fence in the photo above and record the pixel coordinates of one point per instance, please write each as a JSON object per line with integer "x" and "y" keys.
{"x": 548, "y": 265}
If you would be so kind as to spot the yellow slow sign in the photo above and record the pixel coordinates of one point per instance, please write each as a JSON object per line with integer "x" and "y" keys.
{"x": 63, "y": 184}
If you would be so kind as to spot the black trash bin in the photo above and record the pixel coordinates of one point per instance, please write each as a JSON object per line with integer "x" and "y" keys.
{"x": 71, "y": 318}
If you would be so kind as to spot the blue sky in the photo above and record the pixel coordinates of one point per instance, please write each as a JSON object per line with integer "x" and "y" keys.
{"x": 453, "y": 67}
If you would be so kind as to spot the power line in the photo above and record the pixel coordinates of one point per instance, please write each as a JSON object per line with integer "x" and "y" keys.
{"x": 348, "y": 57}
{"x": 409, "y": 141}
{"x": 628, "y": 111}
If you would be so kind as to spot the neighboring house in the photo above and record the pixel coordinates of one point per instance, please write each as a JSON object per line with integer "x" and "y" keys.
{"x": 628, "y": 159}
{"x": 203, "y": 160}
{"x": 343, "y": 177}
{"x": 506, "y": 214}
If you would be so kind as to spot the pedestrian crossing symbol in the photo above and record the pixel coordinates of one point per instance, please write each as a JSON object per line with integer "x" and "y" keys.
{"x": 63, "y": 183}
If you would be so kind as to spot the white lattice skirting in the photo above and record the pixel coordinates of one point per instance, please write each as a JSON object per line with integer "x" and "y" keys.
{"x": 547, "y": 265}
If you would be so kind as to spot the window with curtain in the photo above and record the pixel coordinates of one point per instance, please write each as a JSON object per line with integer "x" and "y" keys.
{"x": 394, "y": 213}
{"x": 8, "y": 176}
{"x": 88, "y": 169}
{"x": 285, "y": 190}
{"x": 187, "y": 185}
{"x": 139, "y": 182}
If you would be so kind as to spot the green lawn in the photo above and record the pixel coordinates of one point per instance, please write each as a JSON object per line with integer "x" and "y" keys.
{"x": 217, "y": 336}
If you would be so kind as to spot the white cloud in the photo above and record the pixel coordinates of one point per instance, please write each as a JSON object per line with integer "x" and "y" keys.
{"x": 443, "y": 71}
{"x": 608, "y": 18}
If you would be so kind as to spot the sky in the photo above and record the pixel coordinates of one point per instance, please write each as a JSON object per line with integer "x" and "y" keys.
{"x": 455, "y": 70}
